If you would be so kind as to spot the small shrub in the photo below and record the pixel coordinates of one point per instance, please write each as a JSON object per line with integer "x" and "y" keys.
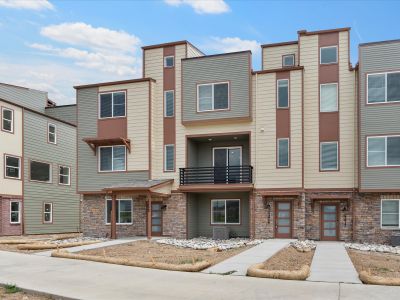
{"x": 11, "y": 289}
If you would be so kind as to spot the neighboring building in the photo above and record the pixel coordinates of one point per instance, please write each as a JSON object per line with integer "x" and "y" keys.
{"x": 202, "y": 145}
{"x": 37, "y": 165}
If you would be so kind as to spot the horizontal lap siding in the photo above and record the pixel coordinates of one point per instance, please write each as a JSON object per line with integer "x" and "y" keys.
{"x": 272, "y": 56}
{"x": 32, "y": 99}
{"x": 65, "y": 113}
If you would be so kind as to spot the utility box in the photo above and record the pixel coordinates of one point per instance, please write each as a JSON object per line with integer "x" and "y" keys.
{"x": 220, "y": 233}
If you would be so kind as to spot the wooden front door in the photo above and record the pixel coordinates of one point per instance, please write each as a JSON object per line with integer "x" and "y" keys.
{"x": 156, "y": 218}
{"x": 283, "y": 219}
{"x": 329, "y": 221}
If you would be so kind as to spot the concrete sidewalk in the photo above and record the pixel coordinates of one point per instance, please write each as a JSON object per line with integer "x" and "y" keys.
{"x": 241, "y": 262}
{"x": 331, "y": 263}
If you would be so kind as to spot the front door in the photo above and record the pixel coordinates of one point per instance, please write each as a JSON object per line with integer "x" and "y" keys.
{"x": 227, "y": 162}
{"x": 329, "y": 222}
{"x": 283, "y": 219}
{"x": 156, "y": 218}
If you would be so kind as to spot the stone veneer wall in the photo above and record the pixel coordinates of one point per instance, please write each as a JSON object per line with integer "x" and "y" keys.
{"x": 5, "y": 227}
{"x": 174, "y": 216}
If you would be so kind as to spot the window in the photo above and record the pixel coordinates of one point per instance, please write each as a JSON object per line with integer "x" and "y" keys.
{"x": 7, "y": 123}
{"x": 112, "y": 158}
{"x": 213, "y": 96}
{"x": 15, "y": 212}
{"x": 283, "y": 93}
{"x": 390, "y": 214}
{"x": 288, "y": 60}
{"x": 283, "y": 153}
{"x": 383, "y": 151}
{"x": 64, "y": 175}
{"x": 169, "y": 61}
{"x": 328, "y": 97}
{"x": 225, "y": 211}
{"x": 169, "y": 105}
{"x": 328, "y": 55}
{"x": 169, "y": 164}
{"x": 40, "y": 171}
{"x": 383, "y": 87}
{"x": 12, "y": 167}
{"x": 329, "y": 156}
{"x": 52, "y": 133}
{"x": 112, "y": 105}
{"x": 123, "y": 213}
{"x": 48, "y": 213}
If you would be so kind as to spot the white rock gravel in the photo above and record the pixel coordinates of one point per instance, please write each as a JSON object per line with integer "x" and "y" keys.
{"x": 203, "y": 243}
{"x": 374, "y": 248}
{"x": 304, "y": 245}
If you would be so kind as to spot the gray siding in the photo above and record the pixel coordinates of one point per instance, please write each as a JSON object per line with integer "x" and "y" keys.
{"x": 28, "y": 98}
{"x": 234, "y": 68}
{"x": 378, "y": 119}
{"x": 66, "y": 113}
{"x": 88, "y": 177}
{"x": 64, "y": 198}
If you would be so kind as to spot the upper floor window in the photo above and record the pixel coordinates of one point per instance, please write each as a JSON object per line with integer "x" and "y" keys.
{"x": 112, "y": 105}
{"x": 169, "y": 61}
{"x": 169, "y": 105}
{"x": 40, "y": 171}
{"x": 288, "y": 60}
{"x": 64, "y": 175}
{"x": 7, "y": 123}
{"x": 283, "y": 153}
{"x": 15, "y": 212}
{"x": 383, "y": 151}
{"x": 225, "y": 211}
{"x": 283, "y": 93}
{"x": 328, "y": 55}
{"x": 52, "y": 133}
{"x": 329, "y": 156}
{"x": 169, "y": 161}
{"x": 12, "y": 167}
{"x": 112, "y": 158}
{"x": 328, "y": 97}
{"x": 212, "y": 96}
{"x": 390, "y": 213}
{"x": 383, "y": 87}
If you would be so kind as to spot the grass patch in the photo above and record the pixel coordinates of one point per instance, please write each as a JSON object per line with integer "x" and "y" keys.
{"x": 11, "y": 288}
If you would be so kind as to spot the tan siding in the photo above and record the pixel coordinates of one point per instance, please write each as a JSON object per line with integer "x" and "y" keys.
{"x": 272, "y": 56}
{"x": 192, "y": 52}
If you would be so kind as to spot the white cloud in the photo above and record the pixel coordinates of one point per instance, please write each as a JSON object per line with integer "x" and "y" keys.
{"x": 232, "y": 44}
{"x": 202, "y": 6}
{"x": 27, "y": 4}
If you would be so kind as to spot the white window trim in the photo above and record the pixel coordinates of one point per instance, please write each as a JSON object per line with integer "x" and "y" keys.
{"x": 385, "y": 100}
{"x": 225, "y": 223}
{"x": 389, "y": 227}
{"x": 385, "y": 137}
{"x": 5, "y": 167}
{"x": 337, "y": 97}
{"x": 112, "y": 159}
{"x": 19, "y": 212}
{"x": 165, "y": 61}
{"x": 212, "y": 97}
{"x": 118, "y": 199}
{"x": 3, "y": 118}
{"x": 50, "y": 171}
{"x": 112, "y": 105}
{"x": 44, "y": 212}
{"x": 337, "y": 156}
{"x": 283, "y": 60}
{"x": 69, "y": 175}
{"x": 288, "y": 165}
{"x": 320, "y": 56}
{"x": 165, "y": 103}
{"x": 277, "y": 93}
{"x": 49, "y": 133}
{"x": 165, "y": 158}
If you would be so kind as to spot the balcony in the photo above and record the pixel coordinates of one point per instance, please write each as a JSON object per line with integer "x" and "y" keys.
{"x": 216, "y": 175}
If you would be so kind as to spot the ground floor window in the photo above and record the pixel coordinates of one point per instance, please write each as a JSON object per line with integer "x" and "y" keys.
{"x": 15, "y": 212}
{"x": 48, "y": 213}
{"x": 123, "y": 213}
{"x": 225, "y": 211}
{"x": 390, "y": 214}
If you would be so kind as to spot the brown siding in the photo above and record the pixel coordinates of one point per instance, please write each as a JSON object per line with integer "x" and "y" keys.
{"x": 282, "y": 114}
{"x": 111, "y": 128}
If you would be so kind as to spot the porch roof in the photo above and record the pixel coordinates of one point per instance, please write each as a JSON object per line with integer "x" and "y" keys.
{"x": 96, "y": 142}
{"x": 161, "y": 187}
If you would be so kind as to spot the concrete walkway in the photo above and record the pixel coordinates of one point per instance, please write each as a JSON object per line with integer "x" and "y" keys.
{"x": 241, "y": 262}
{"x": 331, "y": 263}
{"x": 74, "y": 279}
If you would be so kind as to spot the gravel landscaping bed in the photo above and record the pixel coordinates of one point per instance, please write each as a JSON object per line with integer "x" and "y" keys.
{"x": 203, "y": 243}
{"x": 374, "y": 248}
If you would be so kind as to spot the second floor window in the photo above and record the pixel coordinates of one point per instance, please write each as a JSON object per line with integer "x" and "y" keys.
{"x": 169, "y": 158}
{"x": 283, "y": 153}
{"x": 52, "y": 133}
{"x": 12, "y": 167}
{"x": 7, "y": 119}
{"x": 329, "y": 156}
{"x": 283, "y": 93}
{"x": 288, "y": 60}
{"x": 212, "y": 96}
{"x": 328, "y": 97}
{"x": 383, "y": 151}
{"x": 40, "y": 171}
{"x": 112, "y": 105}
{"x": 112, "y": 158}
{"x": 383, "y": 87}
{"x": 328, "y": 55}
{"x": 64, "y": 175}
{"x": 169, "y": 105}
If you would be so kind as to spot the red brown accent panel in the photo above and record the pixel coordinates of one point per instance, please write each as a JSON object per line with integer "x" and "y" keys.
{"x": 328, "y": 126}
{"x": 112, "y": 128}
{"x": 282, "y": 114}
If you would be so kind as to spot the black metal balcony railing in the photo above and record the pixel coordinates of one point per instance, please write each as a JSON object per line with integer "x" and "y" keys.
{"x": 211, "y": 175}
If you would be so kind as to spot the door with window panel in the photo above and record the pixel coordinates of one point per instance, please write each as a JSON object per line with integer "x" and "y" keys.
{"x": 156, "y": 218}
{"x": 227, "y": 165}
{"x": 329, "y": 222}
{"x": 283, "y": 219}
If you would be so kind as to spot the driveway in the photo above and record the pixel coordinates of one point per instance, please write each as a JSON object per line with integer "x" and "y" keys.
{"x": 89, "y": 280}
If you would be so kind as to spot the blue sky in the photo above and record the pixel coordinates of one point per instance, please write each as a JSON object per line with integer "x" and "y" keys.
{"x": 52, "y": 45}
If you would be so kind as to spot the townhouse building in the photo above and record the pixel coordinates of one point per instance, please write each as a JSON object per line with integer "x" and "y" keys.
{"x": 202, "y": 145}
{"x": 37, "y": 165}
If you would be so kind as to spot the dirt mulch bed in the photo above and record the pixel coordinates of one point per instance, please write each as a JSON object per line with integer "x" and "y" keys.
{"x": 20, "y": 296}
{"x": 154, "y": 252}
{"x": 376, "y": 264}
